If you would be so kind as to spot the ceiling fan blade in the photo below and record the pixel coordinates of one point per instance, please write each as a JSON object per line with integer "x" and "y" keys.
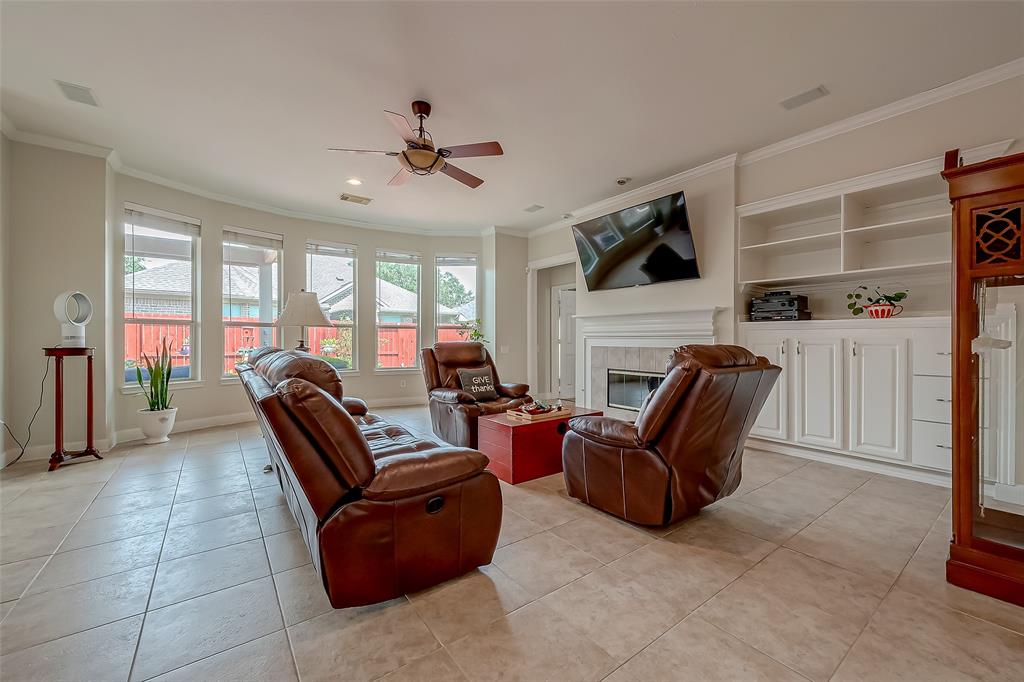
{"x": 401, "y": 126}
{"x": 362, "y": 151}
{"x": 462, "y": 151}
{"x": 462, "y": 176}
{"x": 399, "y": 178}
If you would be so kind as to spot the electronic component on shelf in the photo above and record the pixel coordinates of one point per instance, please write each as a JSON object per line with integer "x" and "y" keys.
{"x": 780, "y": 315}
{"x": 779, "y": 305}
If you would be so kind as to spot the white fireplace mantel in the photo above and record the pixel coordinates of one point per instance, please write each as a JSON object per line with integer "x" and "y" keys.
{"x": 638, "y": 330}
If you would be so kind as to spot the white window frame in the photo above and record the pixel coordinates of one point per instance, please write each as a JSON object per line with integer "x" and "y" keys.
{"x": 255, "y": 238}
{"x": 394, "y": 256}
{"x": 179, "y": 224}
{"x": 454, "y": 259}
{"x": 344, "y": 251}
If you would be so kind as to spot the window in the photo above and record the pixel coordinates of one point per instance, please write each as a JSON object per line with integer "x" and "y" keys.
{"x": 251, "y": 286}
{"x": 455, "y": 294}
{"x": 160, "y": 291}
{"x": 398, "y": 309}
{"x": 331, "y": 273}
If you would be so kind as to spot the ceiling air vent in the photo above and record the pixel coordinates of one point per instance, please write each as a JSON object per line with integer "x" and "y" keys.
{"x": 804, "y": 98}
{"x": 78, "y": 93}
{"x": 533, "y": 209}
{"x": 355, "y": 199}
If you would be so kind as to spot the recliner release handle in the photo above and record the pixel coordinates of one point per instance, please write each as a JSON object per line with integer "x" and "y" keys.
{"x": 435, "y": 504}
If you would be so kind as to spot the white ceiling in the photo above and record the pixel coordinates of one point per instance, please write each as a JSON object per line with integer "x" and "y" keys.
{"x": 240, "y": 99}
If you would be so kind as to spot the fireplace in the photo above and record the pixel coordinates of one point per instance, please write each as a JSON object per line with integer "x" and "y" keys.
{"x": 627, "y": 388}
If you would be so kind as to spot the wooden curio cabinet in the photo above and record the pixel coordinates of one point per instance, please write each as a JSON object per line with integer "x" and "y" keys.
{"x": 986, "y": 552}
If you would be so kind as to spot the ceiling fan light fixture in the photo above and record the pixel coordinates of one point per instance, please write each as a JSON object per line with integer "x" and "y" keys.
{"x": 421, "y": 161}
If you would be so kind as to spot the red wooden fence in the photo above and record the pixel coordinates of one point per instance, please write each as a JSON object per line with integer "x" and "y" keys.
{"x": 397, "y": 346}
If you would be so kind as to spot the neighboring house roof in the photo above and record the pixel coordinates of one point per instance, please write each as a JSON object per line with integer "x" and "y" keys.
{"x": 175, "y": 278}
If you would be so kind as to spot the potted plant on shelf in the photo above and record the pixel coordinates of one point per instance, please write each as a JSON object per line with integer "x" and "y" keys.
{"x": 157, "y": 419}
{"x": 881, "y": 305}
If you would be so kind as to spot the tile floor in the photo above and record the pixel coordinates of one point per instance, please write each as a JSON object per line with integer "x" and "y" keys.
{"x": 179, "y": 562}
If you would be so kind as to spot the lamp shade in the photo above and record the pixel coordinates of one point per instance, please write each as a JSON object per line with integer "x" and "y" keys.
{"x": 303, "y": 310}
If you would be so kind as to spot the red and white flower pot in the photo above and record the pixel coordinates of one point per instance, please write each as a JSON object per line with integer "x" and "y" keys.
{"x": 880, "y": 311}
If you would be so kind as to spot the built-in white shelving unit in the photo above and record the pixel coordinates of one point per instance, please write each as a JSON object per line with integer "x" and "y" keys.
{"x": 890, "y": 223}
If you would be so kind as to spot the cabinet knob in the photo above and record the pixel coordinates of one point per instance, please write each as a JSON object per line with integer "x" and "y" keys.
{"x": 854, "y": 348}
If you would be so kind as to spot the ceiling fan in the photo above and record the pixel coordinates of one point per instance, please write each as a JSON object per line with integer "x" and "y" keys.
{"x": 421, "y": 157}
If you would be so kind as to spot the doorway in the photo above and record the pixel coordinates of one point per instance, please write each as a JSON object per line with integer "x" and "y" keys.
{"x": 563, "y": 341}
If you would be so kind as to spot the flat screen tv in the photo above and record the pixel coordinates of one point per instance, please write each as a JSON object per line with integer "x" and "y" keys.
{"x": 643, "y": 244}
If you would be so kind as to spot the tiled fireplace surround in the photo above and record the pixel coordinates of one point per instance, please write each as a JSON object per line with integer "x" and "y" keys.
{"x": 633, "y": 342}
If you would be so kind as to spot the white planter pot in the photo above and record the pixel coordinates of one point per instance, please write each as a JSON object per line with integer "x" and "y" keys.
{"x": 156, "y": 425}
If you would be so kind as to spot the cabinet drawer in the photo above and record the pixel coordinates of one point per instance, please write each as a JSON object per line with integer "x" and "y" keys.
{"x": 932, "y": 445}
{"x": 933, "y": 398}
{"x": 932, "y": 355}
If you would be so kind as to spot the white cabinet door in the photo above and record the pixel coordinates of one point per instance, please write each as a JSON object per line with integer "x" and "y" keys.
{"x": 819, "y": 394}
{"x": 878, "y": 396}
{"x": 773, "y": 421}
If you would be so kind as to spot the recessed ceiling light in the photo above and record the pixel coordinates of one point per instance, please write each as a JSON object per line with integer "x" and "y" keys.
{"x": 566, "y": 216}
{"x": 803, "y": 98}
{"x": 354, "y": 181}
{"x": 533, "y": 209}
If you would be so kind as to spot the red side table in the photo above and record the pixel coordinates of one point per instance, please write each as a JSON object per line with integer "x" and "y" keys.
{"x": 60, "y": 455}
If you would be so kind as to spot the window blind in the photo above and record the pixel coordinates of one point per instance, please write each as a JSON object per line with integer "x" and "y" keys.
{"x": 135, "y": 219}
{"x": 398, "y": 257}
{"x": 456, "y": 260}
{"x": 323, "y": 249}
{"x": 264, "y": 240}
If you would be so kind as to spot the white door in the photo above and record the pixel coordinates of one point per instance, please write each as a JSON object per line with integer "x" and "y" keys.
{"x": 819, "y": 391}
{"x": 773, "y": 421}
{"x": 878, "y": 396}
{"x": 566, "y": 340}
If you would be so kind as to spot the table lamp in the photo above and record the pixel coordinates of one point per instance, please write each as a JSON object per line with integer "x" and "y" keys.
{"x": 303, "y": 310}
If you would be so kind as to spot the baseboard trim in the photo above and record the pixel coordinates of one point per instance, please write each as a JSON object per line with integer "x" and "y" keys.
{"x": 395, "y": 402}
{"x": 185, "y": 425}
{"x": 874, "y": 466}
{"x": 37, "y": 452}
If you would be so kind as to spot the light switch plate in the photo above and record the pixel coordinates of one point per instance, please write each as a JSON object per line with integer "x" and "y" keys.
{"x": 504, "y": 350}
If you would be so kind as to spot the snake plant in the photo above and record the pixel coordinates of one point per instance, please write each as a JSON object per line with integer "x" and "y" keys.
{"x": 159, "y": 378}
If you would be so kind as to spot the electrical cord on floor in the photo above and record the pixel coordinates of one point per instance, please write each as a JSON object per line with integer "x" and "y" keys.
{"x": 42, "y": 388}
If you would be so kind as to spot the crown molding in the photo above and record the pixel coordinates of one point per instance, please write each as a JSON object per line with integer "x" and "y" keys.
{"x": 11, "y": 131}
{"x": 910, "y": 171}
{"x": 287, "y": 213}
{"x": 51, "y": 142}
{"x": 494, "y": 229}
{"x": 638, "y": 195}
{"x": 942, "y": 93}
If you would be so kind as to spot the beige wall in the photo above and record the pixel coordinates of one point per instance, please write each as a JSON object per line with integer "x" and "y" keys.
{"x": 219, "y": 397}
{"x": 5, "y": 209}
{"x": 977, "y": 118}
{"x": 509, "y": 339}
{"x": 56, "y": 239}
{"x": 710, "y": 201}
{"x": 981, "y": 117}
{"x": 63, "y": 230}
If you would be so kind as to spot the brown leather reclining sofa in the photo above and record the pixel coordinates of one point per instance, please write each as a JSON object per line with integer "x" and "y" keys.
{"x": 453, "y": 411}
{"x": 685, "y": 449}
{"x": 383, "y": 513}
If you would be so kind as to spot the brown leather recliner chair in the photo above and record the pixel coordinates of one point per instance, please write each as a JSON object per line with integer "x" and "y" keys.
{"x": 453, "y": 411}
{"x": 685, "y": 450}
{"x": 378, "y": 523}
